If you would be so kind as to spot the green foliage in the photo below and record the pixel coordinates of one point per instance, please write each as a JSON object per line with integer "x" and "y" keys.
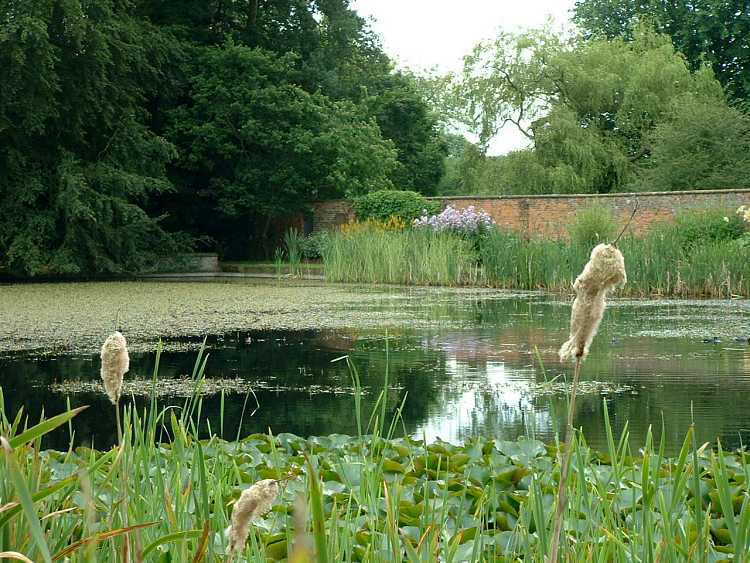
{"x": 700, "y": 254}
{"x": 472, "y": 173}
{"x": 707, "y": 225}
{"x": 502, "y": 489}
{"x": 78, "y": 162}
{"x": 384, "y": 204}
{"x": 314, "y": 245}
{"x": 593, "y": 107}
{"x": 518, "y": 172}
{"x": 121, "y": 121}
{"x": 698, "y": 146}
{"x": 593, "y": 225}
{"x": 293, "y": 247}
{"x": 404, "y": 257}
{"x": 463, "y": 169}
{"x": 280, "y": 148}
{"x": 509, "y": 261}
{"x": 705, "y": 31}
{"x": 405, "y": 118}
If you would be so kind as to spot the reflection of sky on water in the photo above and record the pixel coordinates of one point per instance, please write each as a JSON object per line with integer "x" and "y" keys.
{"x": 462, "y": 409}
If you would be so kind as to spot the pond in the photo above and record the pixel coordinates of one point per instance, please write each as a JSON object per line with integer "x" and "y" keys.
{"x": 462, "y": 362}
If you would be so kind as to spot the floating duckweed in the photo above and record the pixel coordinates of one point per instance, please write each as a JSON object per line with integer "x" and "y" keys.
{"x": 185, "y": 387}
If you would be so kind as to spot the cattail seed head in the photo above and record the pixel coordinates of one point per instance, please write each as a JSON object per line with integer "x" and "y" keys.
{"x": 604, "y": 272}
{"x": 253, "y": 502}
{"x": 115, "y": 364}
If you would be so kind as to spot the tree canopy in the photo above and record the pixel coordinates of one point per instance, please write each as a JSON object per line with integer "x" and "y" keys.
{"x": 127, "y": 124}
{"x": 716, "y": 32}
{"x": 600, "y": 113}
{"x": 78, "y": 161}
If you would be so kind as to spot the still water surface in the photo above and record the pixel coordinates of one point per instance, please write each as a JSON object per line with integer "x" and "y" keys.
{"x": 462, "y": 363}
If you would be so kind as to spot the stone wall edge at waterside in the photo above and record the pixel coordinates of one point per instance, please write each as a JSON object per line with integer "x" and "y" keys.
{"x": 550, "y": 214}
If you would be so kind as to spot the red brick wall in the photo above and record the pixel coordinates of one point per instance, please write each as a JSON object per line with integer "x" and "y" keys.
{"x": 330, "y": 214}
{"x": 549, "y": 215}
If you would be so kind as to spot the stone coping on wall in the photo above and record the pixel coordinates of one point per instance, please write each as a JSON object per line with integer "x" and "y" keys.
{"x": 586, "y": 196}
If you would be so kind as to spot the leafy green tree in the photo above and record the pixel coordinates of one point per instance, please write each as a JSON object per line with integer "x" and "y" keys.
{"x": 122, "y": 120}
{"x": 78, "y": 162}
{"x": 699, "y": 146}
{"x": 336, "y": 51}
{"x": 712, "y": 31}
{"x": 255, "y": 145}
{"x": 518, "y": 172}
{"x": 405, "y": 118}
{"x": 506, "y": 82}
{"x": 588, "y": 106}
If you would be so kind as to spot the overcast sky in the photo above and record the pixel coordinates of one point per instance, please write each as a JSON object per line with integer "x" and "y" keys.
{"x": 422, "y": 34}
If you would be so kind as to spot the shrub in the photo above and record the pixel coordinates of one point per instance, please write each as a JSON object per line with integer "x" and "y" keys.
{"x": 312, "y": 246}
{"x": 384, "y": 204}
{"x": 467, "y": 221}
{"x": 708, "y": 225}
{"x": 592, "y": 225}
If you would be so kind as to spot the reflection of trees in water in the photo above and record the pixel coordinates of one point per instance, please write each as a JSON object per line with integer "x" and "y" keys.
{"x": 291, "y": 361}
{"x": 459, "y": 377}
{"x": 719, "y": 408}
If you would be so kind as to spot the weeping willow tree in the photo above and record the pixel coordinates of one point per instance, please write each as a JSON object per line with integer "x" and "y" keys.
{"x": 589, "y": 108}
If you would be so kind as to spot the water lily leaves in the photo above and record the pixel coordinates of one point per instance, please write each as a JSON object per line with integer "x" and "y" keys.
{"x": 329, "y": 475}
{"x": 478, "y": 474}
{"x": 465, "y": 552}
{"x": 409, "y": 514}
{"x": 457, "y": 462}
{"x": 350, "y": 472}
{"x": 524, "y": 451}
{"x": 505, "y": 475}
{"x": 277, "y": 550}
{"x": 502, "y": 521}
{"x": 720, "y": 532}
{"x": 626, "y": 499}
{"x": 390, "y": 466}
{"x": 333, "y": 488}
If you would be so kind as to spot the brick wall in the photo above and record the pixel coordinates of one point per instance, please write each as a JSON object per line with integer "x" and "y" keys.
{"x": 330, "y": 214}
{"x": 548, "y": 215}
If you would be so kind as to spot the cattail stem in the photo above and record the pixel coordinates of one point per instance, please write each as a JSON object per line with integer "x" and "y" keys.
{"x": 119, "y": 424}
{"x": 562, "y": 491}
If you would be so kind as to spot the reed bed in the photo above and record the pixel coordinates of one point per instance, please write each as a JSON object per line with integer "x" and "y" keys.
{"x": 667, "y": 265}
{"x": 400, "y": 257}
{"x": 371, "y": 497}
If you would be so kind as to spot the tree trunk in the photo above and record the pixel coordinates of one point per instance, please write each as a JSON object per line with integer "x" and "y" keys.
{"x": 252, "y": 17}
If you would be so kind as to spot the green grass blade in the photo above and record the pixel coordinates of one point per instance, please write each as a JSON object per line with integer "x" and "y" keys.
{"x": 44, "y": 427}
{"x": 27, "y": 503}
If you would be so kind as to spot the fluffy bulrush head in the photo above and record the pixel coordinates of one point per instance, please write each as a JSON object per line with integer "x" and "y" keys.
{"x": 253, "y": 502}
{"x": 115, "y": 364}
{"x": 604, "y": 272}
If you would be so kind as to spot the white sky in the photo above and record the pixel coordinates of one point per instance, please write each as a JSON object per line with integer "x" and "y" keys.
{"x": 422, "y": 34}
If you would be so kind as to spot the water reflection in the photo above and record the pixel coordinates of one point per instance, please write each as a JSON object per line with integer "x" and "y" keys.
{"x": 465, "y": 364}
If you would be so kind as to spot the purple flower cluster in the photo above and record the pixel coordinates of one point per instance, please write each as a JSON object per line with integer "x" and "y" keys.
{"x": 467, "y": 221}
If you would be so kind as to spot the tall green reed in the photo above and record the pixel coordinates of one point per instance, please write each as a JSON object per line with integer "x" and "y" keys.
{"x": 673, "y": 260}
{"x": 293, "y": 242}
{"x": 400, "y": 257}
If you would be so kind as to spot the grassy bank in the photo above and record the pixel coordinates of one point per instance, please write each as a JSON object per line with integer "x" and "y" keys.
{"x": 367, "y": 497}
{"x": 662, "y": 262}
